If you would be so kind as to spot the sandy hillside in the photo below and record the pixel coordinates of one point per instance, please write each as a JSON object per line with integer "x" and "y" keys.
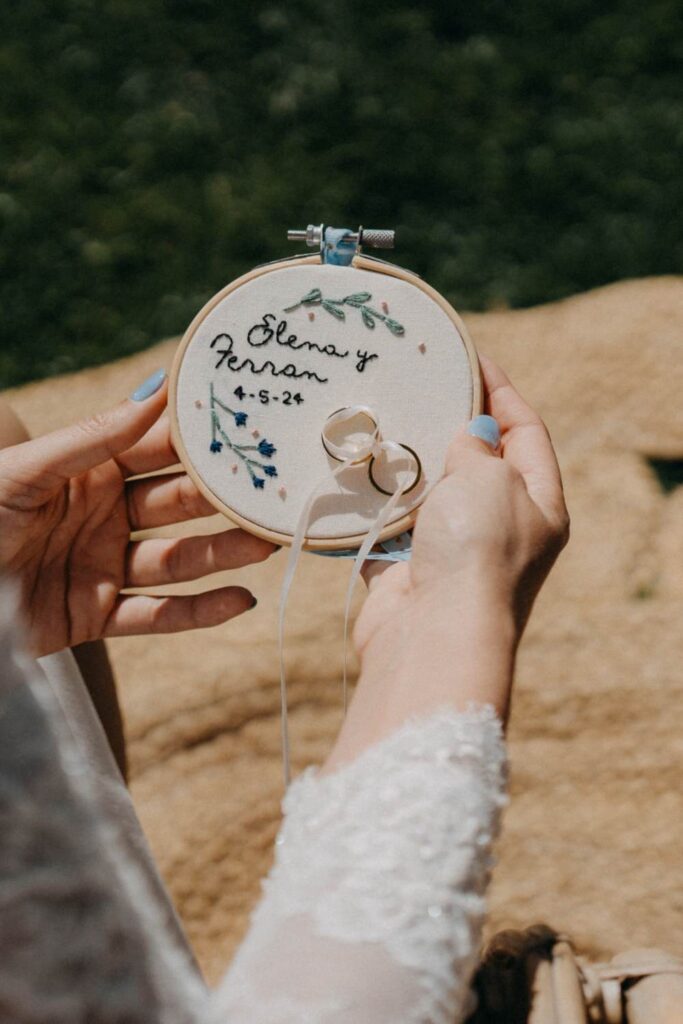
{"x": 593, "y": 837}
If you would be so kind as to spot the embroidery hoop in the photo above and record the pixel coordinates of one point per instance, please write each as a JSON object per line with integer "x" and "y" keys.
{"x": 359, "y": 262}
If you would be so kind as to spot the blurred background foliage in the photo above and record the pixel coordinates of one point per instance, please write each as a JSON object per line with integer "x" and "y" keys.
{"x": 151, "y": 151}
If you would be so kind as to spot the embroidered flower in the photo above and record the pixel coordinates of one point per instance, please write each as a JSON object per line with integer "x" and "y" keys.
{"x": 258, "y": 472}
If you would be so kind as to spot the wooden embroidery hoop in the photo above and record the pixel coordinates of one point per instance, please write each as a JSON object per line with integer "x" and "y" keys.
{"x": 360, "y": 262}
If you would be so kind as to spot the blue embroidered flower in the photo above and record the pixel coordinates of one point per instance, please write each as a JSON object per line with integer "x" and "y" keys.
{"x": 259, "y": 474}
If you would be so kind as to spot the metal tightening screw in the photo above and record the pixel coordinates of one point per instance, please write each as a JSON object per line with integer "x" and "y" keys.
{"x": 373, "y": 238}
{"x": 312, "y": 236}
{"x": 377, "y": 238}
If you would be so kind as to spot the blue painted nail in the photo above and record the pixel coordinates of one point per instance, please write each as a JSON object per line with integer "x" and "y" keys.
{"x": 150, "y": 386}
{"x": 486, "y": 428}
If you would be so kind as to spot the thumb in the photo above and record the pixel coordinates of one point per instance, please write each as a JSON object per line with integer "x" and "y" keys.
{"x": 89, "y": 442}
{"x": 482, "y": 435}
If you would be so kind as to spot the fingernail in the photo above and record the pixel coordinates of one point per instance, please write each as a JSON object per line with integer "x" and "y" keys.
{"x": 486, "y": 428}
{"x": 150, "y": 386}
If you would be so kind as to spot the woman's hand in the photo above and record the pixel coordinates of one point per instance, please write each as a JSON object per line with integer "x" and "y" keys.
{"x": 67, "y": 509}
{"x": 497, "y": 518}
{"x": 443, "y": 628}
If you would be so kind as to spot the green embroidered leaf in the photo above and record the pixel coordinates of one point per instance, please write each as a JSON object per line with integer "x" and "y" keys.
{"x": 394, "y": 326}
{"x": 357, "y": 299}
{"x": 334, "y": 310}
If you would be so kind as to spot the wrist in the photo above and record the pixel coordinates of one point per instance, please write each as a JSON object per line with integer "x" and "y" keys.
{"x": 444, "y": 638}
{"x": 444, "y": 647}
{"x": 479, "y": 600}
{"x": 462, "y": 643}
{"x": 478, "y": 611}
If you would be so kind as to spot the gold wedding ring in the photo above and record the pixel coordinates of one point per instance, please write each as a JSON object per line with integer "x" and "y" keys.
{"x": 418, "y": 473}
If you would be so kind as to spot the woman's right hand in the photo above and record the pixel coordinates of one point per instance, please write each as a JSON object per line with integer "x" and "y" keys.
{"x": 499, "y": 511}
{"x": 444, "y": 627}
{"x": 497, "y": 519}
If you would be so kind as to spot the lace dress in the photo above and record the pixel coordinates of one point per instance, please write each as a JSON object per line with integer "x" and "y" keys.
{"x": 372, "y": 912}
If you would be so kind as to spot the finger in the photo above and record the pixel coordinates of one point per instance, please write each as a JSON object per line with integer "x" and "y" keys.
{"x": 162, "y": 500}
{"x": 525, "y": 442}
{"x": 371, "y": 571}
{"x": 12, "y": 430}
{"x": 153, "y": 563}
{"x": 152, "y": 452}
{"x": 140, "y": 614}
{"x": 481, "y": 437}
{"x": 65, "y": 453}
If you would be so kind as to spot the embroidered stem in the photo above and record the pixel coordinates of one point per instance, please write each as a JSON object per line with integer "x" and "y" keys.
{"x": 264, "y": 448}
{"x": 357, "y": 300}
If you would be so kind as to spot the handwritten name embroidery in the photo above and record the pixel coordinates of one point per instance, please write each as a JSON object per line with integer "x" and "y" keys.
{"x": 232, "y": 361}
{"x": 263, "y": 332}
{"x": 264, "y": 448}
{"x": 358, "y": 300}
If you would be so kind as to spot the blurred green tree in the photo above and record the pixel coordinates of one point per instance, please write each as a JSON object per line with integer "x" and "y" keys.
{"x": 152, "y": 151}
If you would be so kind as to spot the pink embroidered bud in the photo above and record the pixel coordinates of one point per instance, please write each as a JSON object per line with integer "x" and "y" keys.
{"x": 422, "y": 347}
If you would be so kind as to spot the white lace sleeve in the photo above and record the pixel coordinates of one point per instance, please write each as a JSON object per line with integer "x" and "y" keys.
{"x": 373, "y": 909}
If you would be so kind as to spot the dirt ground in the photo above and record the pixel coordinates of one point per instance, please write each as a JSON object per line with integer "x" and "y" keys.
{"x": 593, "y": 836}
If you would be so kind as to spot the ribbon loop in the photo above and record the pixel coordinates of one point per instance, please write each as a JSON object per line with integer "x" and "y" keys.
{"x": 360, "y": 445}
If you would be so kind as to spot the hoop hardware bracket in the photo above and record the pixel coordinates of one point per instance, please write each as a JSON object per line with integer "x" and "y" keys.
{"x": 340, "y": 245}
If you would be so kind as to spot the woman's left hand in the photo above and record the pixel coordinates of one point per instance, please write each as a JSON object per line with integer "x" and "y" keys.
{"x": 67, "y": 509}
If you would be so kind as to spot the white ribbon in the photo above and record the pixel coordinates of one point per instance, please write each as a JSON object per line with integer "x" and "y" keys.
{"x": 352, "y": 452}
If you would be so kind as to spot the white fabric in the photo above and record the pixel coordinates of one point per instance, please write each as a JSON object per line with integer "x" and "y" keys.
{"x": 77, "y": 717}
{"x": 420, "y": 385}
{"x": 372, "y": 912}
{"x": 83, "y": 936}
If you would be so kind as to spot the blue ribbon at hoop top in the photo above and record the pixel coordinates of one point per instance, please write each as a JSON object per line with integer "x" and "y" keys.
{"x": 338, "y": 248}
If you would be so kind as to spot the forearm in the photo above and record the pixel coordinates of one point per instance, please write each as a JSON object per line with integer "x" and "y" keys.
{"x": 453, "y": 647}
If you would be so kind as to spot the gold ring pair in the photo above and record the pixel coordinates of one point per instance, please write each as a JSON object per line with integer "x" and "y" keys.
{"x": 371, "y": 458}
